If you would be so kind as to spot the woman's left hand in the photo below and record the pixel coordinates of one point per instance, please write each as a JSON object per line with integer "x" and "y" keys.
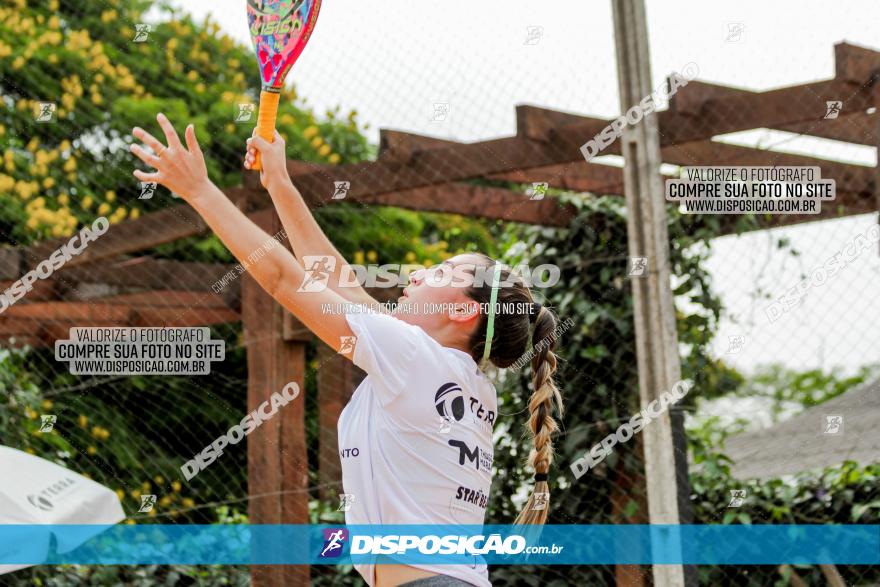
{"x": 180, "y": 169}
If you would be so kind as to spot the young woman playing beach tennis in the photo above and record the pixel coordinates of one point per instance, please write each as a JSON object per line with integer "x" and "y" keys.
{"x": 416, "y": 437}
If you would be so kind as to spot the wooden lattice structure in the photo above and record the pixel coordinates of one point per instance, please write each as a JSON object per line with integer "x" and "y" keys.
{"x": 108, "y": 286}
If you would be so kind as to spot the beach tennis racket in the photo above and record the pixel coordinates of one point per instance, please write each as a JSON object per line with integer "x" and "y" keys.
{"x": 280, "y": 30}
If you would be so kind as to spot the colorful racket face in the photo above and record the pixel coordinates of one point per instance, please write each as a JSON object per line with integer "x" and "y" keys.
{"x": 280, "y": 30}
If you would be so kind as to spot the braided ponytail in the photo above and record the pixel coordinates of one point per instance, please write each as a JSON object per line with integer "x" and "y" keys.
{"x": 508, "y": 345}
{"x": 541, "y": 422}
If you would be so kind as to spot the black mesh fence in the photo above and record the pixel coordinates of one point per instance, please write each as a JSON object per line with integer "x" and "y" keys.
{"x": 775, "y": 318}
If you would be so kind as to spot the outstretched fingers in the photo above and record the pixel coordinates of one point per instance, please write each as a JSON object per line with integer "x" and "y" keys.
{"x": 148, "y": 139}
{"x": 168, "y": 129}
{"x": 192, "y": 143}
{"x": 144, "y": 156}
{"x": 146, "y": 177}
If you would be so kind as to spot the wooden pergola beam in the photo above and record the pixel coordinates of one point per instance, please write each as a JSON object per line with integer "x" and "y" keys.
{"x": 149, "y": 231}
{"x": 855, "y": 183}
{"x": 855, "y": 64}
{"x": 804, "y": 103}
{"x": 41, "y": 323}
{"x": 856, "y": 69}
{"x": 578, "y": 176}
{"x": 544, "y": 139}
{"x": 851, "y": 126}
{"x": 480, "y": 202}
{"x": 370, "y": 183}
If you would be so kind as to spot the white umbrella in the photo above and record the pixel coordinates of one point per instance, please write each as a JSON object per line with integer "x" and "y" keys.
{"x": 36, "y": 491}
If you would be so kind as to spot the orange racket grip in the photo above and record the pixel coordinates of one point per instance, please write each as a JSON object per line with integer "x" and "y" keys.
{"x": 266, "y": 121}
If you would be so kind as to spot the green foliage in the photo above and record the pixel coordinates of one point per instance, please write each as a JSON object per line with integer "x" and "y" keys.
{"x": 805, "y": 388}
{"x": 130, "y": 433}
{"x": 57, "y": 176}
{"x": 847, "y": 494}
{"x": 82, "y": 57}
{"x": 391, "y": 235}
{"x": 132, "y": 576}
{"x": 597, "y": 367}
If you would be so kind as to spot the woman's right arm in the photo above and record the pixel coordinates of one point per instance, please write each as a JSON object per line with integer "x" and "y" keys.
{"x": 303, "y": 231}
{"x": 182, "y": 170}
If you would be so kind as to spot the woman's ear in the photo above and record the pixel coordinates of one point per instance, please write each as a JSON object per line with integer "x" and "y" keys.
{"x": 464, "y": 311}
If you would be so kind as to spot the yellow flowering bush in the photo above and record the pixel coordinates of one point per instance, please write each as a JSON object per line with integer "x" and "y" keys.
{"x": 83, "y": 60}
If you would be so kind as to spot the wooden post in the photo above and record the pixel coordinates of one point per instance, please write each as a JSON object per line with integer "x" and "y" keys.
{"x": 875, "y": 94}
{"x": 654, "y": 313}
{"x": 277, "y": 454}
{"x": 629, "y": 487}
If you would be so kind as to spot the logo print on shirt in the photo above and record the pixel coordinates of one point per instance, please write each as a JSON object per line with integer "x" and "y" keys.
{"x": 451, "y": 405}
{"x": 473, "y": 496}
{"x": 449, "y": 401}
{"x": 334, "y": 539}
{"x": 481, "y": 459}
{"x": 480, "y": 413}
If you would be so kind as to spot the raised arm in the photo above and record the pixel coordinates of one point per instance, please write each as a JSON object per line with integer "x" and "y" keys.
{"x": 182, "y": 170}
{"x": 303, "y": 231}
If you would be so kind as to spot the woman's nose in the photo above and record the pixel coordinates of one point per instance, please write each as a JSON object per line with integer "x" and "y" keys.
{"x": 417, "y": 276}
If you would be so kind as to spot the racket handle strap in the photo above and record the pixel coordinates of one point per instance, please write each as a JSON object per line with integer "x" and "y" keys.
{"x": 266, "y": 120}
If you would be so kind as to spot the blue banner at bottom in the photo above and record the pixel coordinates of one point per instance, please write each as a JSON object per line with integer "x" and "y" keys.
{"x": 412, "y": 544}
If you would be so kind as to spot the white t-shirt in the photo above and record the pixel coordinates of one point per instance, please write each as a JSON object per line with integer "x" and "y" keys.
{"x": 415, "y": 439}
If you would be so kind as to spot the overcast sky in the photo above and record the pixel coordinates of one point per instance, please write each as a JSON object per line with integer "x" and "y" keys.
{"x": 393, "y": 60}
